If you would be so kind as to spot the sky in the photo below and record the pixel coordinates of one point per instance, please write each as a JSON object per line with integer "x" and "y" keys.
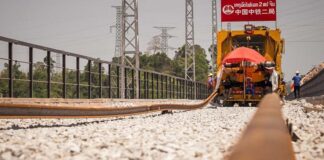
{"x": 82, "y": 26}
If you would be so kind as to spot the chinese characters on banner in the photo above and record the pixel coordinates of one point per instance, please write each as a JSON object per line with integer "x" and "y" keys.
{"x": 248, "y": 10}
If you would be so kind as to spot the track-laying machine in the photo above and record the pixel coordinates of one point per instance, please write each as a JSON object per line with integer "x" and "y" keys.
{"x": 243, "y": 81}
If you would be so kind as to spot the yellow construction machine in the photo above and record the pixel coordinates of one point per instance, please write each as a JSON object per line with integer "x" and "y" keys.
{"x": 267, "y": 42}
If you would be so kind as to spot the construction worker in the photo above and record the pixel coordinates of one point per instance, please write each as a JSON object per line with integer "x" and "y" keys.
{"x": 227, "y": 86}
{"x": 210, "y": 83}
{"x": 249, "y": 86}
{"x": 296, "y": 79}
{"x": 273, "y": 78}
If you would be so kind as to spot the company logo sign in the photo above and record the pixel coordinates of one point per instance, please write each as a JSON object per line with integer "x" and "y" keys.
{"x": 248, "y": 10}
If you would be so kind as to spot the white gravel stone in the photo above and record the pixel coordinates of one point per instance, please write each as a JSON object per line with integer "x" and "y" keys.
{"x": 201, "y": 134}
{"x": 309, "y": 127}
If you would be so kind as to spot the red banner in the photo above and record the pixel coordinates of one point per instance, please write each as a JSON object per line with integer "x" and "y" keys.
{"x": 248, "y": 10}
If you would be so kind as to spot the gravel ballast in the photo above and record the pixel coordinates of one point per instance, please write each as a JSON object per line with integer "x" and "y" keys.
{"x": 201, "y": 134}
{"x": 207, "y": 133}
{"x": 308, "y": 127}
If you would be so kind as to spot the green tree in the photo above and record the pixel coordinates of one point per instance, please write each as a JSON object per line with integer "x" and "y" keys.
{"x": 158, "y": 62}
{"x": 178, "y": 63}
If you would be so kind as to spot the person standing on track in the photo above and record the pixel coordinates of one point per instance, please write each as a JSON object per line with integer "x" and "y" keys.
{"x": 297, "y": 79}
{"x": 210, "y": 83}
{"x": 249, "y": 86}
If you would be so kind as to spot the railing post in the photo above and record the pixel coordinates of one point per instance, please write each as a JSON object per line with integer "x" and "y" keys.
{"x": 10, "y": 72}
{"x": 64, "y": 75}
{"x": 183, "y": 84}
{"x": 152, "y": 85}
{"x": 182, "y": 89}
{"x": 89, "y": 79}
{"x": 170, "y": 85}
{"x": 195, "y": 90}
{"x": 173, "y": 87}
{"x": 179, "y": 89}
{"x": 31, "y": 86}
{"x": 139, "y": 85}
{"x": 176, "y": 88}
{"x": 157, "y": 86}
{"x": 198, "y": 90}
{"x": 162, "y": 90}
{"x": 48, "y": 74}
{"x": 133, "y": 85}
{"x": 166, "y": 87}
{"x": 190, "y": 88}
{"x": 145, "y": 85}
{"x": 125, "y": 83}
{"x": 109, "y": 80}
{"x": 100, "y": 80}
{"x": 118, "y": 82}
{"x": 78, "y": 76}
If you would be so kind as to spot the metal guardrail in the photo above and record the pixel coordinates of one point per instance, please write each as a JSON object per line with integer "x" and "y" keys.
{"x": 312, "y": 88}
{"x": 97, "y": 78}
{"x": 266, "y": 137}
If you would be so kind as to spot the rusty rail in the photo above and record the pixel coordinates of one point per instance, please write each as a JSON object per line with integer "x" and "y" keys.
{"x": 47, "y": 111}
{"x": 266, "y": 137}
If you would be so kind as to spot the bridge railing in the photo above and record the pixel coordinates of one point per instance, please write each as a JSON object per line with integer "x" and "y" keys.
{"x": 33, "y": 71}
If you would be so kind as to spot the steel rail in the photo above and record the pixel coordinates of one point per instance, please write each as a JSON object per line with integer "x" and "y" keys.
{"x": 312, "y": 109}
{"x": 266, "y": 137}
{"x": 29, "y": 111}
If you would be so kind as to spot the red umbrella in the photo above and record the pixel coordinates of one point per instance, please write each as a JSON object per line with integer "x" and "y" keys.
{"x": 244, "y": 54}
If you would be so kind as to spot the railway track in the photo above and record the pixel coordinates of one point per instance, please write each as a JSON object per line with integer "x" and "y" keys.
{"x": 313, "y": 109}
{"x": 46, "y": 111}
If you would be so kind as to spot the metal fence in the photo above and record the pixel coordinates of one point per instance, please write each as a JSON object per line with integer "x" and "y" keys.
{"x": 312, "y": 88}
{"x": 29, "y": 70}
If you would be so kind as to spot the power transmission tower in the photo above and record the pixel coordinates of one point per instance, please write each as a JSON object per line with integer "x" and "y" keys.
{"x": 190, "y": 64}
{"x": 130, "y": 42}
{"x": 118, "y": 26}
{"x": 165, "y": 36}
{"x": 214, "y": 36}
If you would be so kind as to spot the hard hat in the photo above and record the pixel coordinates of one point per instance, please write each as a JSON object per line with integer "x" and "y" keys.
{"x": 297, "y": 72}
{"x": 269, "y": 68}
{"x": 210, "y": 74}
